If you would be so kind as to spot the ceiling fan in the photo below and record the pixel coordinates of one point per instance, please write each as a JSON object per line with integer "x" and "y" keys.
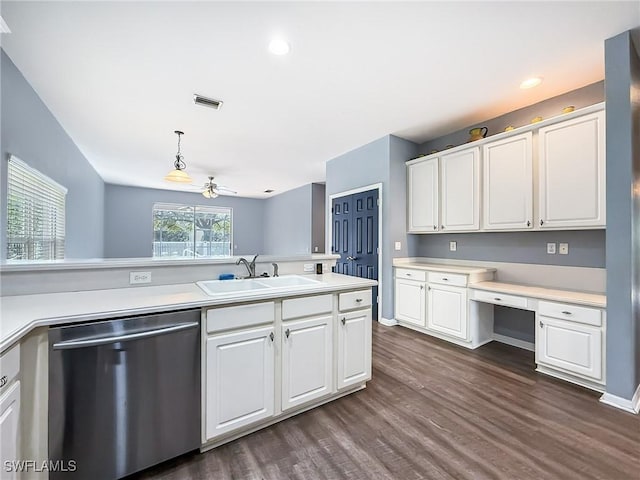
{"x": 212, "y": 190}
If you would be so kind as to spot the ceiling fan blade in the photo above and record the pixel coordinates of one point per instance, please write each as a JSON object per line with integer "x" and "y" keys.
{"x": 222, "y": 188}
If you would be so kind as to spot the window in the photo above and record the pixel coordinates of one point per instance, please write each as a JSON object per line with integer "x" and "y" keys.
{"x": 35, "y": 214}
{"x": 186, "y": 231}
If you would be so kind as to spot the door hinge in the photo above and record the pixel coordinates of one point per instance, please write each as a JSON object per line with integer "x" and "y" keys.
{"x": 331, "y": 209}
{"x": 377, "y": 202}
{"x": 378, "y": 299}
{"x": 378, "y": 250}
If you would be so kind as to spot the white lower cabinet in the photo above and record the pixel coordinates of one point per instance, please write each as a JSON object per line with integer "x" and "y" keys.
{"x": 354, "y": 348}
{"x": 410, "y": 301}
{"x": 570, "y": 346}
{"x": 10, "y": 429}
{"x": 447, "y": 312}
{"x": 307, "y": 360}
{"x": 240, "y": 379}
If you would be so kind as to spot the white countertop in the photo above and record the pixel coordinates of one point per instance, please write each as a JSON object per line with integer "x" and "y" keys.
{"x": 568, "y": 296}
{"x": 439, "y": 267}
{"x": 20, "y": 314}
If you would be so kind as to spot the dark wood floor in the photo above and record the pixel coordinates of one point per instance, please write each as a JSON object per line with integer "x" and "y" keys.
{"x": 437, "y": 411}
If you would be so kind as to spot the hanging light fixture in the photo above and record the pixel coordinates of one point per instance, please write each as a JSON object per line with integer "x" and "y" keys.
{"x": 178, "y": 174}
{"x": 210, "y": 189}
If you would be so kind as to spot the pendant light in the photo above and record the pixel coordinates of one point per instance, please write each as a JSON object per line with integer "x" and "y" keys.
{"x": 178, "y": 174}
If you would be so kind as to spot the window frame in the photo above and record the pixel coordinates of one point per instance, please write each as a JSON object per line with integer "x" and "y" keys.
{"x": 54, "y": 192}
{"x": 195, "y": 207}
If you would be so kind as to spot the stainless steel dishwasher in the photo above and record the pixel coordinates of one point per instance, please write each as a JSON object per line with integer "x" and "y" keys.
{"x": 124, "y": 394}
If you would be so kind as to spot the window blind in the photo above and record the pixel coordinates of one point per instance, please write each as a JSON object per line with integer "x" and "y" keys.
{"x": 35, "y": 214}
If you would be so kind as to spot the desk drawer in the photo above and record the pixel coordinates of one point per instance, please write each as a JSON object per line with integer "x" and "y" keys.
{"x": 9, "y": 367}
{"x": 500, "y": 299}
{"x": 351, "y": 300}
{"x": 448, "y": 279}
{"x": 573, "y": 313}
{"x": 419, "y": 275}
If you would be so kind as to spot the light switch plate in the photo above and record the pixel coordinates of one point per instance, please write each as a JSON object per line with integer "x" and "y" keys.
{"x": 551, "y": 248}
{"x": 563, "y": 248}
{"x": 453, "y": 246}
{"x": 139, "y": 277}
{"x": 398, "y": 246}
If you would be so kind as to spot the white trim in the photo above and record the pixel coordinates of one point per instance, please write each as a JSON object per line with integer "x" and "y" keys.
{"x": 389, "y": 322}
{"x": 631, "y": 406}
{"x": 514, "y": 342}
{"x": 329, "y": 223}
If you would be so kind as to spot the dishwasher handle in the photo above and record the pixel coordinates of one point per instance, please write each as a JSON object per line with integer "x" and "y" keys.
{"x": 94, "y": 342}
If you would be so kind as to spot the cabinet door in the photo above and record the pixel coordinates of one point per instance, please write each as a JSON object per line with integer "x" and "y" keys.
{"x": 9, "y": 429}
{"x": 423, "y": 197}
{"x": 572, "y": 173}
{"x": 508, "y": 183}
{"x": 461, "y": 190}
{"x": 410, "y": 303}
{"x": 571, "y": 346}
{"x": 448, "y": 310}
{"x": 239, "y": 379}
{"x": 307, "y": 360}
{"x": 354, "y": 348}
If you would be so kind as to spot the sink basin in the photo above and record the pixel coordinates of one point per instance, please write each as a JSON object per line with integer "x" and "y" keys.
{"x": 288, "y": 281}
{"x": 220, "y": 287}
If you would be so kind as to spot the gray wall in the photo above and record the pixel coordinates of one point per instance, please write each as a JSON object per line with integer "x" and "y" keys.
{"x": 287, "y": 222}
{"x": 381, "y": 161}
{"x": 622, "y": 73}
{"x": 31, "y": 132}
{"x": 128, "y": 222}
{"x": 551, "y": 107}
{"x": 586, "y": 248}
{"x": 318, "y": 217}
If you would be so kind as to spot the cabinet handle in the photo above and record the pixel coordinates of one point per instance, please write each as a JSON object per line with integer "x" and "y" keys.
{"x": 271, "y": 336}
{"x": 441, "y": 227}
{"x": 567, "y": 313}
{"x": 358, "y": 300}
{"x": 435, "y": 227}
{"x": 528, "y": 223}
{"x": 408, "y": 274}
{"x": 287, "y": 332}
{"x": 541, "y": 324}
{"x": 445, "y": 279}
{"x": 3, "y": 381}
{"x": 497, "y": 299}
{"x": 344, "y": 320}
{"x": 428, "y": 288}
{"x": 421, "y": 287}
{"x": 541, "y": 222}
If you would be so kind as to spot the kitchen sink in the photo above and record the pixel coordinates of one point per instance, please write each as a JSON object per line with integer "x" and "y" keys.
{"x": 221, "y": 287}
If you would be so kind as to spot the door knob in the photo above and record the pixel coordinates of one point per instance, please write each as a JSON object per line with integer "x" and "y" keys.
{"x": 351, "y": 259}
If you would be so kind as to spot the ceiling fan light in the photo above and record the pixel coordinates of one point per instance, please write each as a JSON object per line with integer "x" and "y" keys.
{"x": 178, "y": 176}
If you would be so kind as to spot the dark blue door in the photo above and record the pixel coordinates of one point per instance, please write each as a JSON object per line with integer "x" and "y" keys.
{"x": 355, "y": 236}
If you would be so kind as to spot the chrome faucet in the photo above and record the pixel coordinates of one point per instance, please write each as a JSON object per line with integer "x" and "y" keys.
{"x": 275, "y": 269}
{"x": 251, "y": 266}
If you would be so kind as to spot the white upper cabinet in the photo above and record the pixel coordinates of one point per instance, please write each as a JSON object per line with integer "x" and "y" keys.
{"x": 461, "y": 190}
{"x": 572, "y": 173}
{"x": 423, "y": 197}
{"x": 508, "y": 183}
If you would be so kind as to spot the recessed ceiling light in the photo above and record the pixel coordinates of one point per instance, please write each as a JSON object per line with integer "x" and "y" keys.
{"x": 531, "y": 82}
{"x": 278, "y": 46}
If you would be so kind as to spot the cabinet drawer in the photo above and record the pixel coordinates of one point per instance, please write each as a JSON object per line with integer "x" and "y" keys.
{"x": 306, "y": 307}
{"x": 219, "y": 319}
{"x": 590, "y": 316}
{"x": 448, "y": 279}
{"x": 500, "y": 299}
{"x": 419, "y": 275}
{"x": 9, "y": 367}
{"x": 351, "y": 300}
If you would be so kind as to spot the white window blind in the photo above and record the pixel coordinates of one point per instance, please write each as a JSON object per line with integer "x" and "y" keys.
{"x": 35, "y": 214}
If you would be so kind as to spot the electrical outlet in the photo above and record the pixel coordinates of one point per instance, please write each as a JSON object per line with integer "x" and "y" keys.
{"x": 139, "y": 277}
{"x": 551, "y": 248}
{"x": 315, "y": 249}
{"x": 398, "y": 246}
{"x": 453, "y": 246}
{"x": 309, "y": 267}
{"x": 563, "y": 249}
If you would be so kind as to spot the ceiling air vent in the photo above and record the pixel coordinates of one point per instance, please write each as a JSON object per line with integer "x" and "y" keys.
{"x": 207, "y": 102}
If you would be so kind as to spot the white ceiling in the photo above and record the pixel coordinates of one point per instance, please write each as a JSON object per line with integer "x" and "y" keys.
{"x": 119, "y": 77}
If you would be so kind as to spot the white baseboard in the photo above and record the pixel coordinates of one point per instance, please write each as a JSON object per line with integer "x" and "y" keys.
{"x": 632, "y": 406}
{"x": 389, "y": 322}
{"x": 514, "y": 342}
